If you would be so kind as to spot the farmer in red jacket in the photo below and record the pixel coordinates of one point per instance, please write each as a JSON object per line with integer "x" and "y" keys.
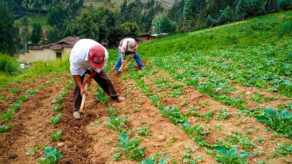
{"x": 89, "y": 57}
{"x": 128, "y": 46}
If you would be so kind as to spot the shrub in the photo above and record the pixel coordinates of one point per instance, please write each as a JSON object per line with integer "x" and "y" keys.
{"x": 130, "y": 29}
{"x": 284, "y": 3}
{"x": 209, "y": 21}
{"x": 226, "y": 15}
{"x": 163, "y": 24}
{"x": 9, "y": 65}
{"x": 249, "y": 8}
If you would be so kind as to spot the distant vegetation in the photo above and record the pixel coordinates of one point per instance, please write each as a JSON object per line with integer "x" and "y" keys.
{"x": 59, "y": 19}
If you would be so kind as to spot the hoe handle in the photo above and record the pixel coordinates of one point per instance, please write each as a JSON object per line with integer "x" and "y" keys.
{"x": 83, "y": 101}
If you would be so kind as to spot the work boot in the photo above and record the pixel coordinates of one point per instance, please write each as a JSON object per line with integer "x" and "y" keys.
{"x": 120, "y": 99}
{"x": 76, "y": 115}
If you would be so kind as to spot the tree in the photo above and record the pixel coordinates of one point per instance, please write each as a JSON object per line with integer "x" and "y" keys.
{"x": 130, "y": 29}
{"x": 249, "y": 8}
{"x": 56, "y": 16}
{"x": 162, "y": 24}
{"x": 140, "y": 13}
{"x": 54, "y": 35}
{"x": 36, "y": 33}
{"x": 8, "y": 31}
{"x": 226, "y": 15}
{"x": 284, "y": 3}
{"x": 176, "y": 11}
{"x": 99, "y": 24}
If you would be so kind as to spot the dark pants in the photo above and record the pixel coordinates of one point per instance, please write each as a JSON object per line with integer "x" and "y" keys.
{"x": 105, "y": 83}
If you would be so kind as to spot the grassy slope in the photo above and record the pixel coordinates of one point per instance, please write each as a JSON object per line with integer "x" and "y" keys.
{"x": 265, "y": 29}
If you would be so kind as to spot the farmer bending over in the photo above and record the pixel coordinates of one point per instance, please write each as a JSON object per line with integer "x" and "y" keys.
{"x": 127, "y": 46}
{"x": 89, "y": 57}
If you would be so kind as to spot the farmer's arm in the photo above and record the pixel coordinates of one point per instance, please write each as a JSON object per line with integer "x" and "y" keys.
{"x": 75, "y": 68}
{"x": 78, "y": 81}
{"x": 90, "y": 77}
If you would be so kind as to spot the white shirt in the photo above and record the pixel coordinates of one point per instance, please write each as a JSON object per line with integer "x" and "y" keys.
{"x": 124, "y": 47}
{"x": 79, "y": 62}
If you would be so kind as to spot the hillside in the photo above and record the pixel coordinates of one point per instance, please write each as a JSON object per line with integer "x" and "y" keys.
{"x": 201, "y": 95}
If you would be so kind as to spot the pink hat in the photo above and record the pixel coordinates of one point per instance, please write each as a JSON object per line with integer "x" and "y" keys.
{"x": 97, "y": 56}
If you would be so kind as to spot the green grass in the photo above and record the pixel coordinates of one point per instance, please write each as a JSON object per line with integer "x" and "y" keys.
{"x": 37, "y": 68}
{"x": 40, "y": 19}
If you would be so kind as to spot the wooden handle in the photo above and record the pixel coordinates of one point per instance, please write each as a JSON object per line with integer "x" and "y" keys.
{"x": 83, "y": 101}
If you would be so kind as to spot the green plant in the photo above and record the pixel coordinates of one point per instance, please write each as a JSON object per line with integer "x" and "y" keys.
{"x": 52, "y": 156}
{"x": 100, "y": 96}
{"x": 176, "y": 92}
{"x": 97, "y": 122}
{"x": 280, "y": 122}
{"x": 23, "y": 98}
{"x": 223, "y": 114}
{"x": 6, "y": 116}
{"x": 152, "y": 161}
{"x": 196, "y": 133}
{"x": 58, "y": 100}
{"x": 32, "y": 151}
{"x": 230, "y": 156}
{"x": 131, "y": 149}
{"x": 13, "y": 107}
{"x": 218, "y": 126}
{"x": 56, "y": 136}
{"x": 63, "y": 94}
{"x": 57, "y": 108}
{"x": 246, "y": 144}
{"x": 9, "y": 65}
{"x": 173, "y": 114}
{"x": 284, "y": 149}
{"x": 4, "y": 128}
{"x": 117, "y": 156}
{"x": 112, "y": 112}
{"x": 260, "y": 139}
{"x": 4, "y": 98}
{"x": 116, "y": 124}
{"x": 55, "y": 120}
{"x": 14, "y": 90}
{"x": 257, "y": 97}
{"x": 144, "y": 131}
{"x": 257, "y": 152}
{"x": 31, "y": 92}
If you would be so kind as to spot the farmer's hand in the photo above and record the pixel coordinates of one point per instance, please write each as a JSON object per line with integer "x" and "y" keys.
{"x": 123, "y": 65}
{"x": 87, "y": 81}
{"x": 83, "y": 91}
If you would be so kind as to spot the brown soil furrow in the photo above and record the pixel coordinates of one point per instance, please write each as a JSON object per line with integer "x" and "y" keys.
{"x": 12, "y": 97}
{"x": 247, "y": 92}
{"x": 163, "y": 131}
{"x": 29, "y": 127}
{"x": 206, "y": 103}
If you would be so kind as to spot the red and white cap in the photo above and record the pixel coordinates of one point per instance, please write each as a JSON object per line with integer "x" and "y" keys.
{"x": 97, "y": 56}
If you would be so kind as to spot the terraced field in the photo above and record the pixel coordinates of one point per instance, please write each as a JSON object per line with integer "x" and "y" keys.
{"x": 220, "y": 95}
